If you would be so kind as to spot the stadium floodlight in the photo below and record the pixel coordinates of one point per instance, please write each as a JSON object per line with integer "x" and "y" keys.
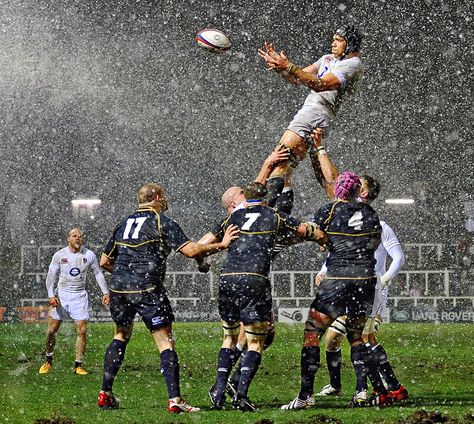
{"x": 401, "y": 201}
{"x": 85, "y": 207}
{"x": 85, "y": 203}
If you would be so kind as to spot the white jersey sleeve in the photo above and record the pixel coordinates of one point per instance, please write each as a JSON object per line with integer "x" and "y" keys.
{"x": 348, "y": 71}
{"x": 52, "y": 271}
{"x": 394, "y": 250}
{"x": 99, "y": 275}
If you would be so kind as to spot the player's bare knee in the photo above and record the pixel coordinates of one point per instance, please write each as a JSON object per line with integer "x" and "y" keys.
{"x": 231, "y": 334}
{"x": 333, "y": 341}
{"x": 354, "y": 328}
{"x": 256, "y": 333}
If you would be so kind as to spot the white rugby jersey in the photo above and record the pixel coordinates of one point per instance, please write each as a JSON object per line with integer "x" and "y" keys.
{"x": 348, "y": 71}
{"x": 73, "y": 269}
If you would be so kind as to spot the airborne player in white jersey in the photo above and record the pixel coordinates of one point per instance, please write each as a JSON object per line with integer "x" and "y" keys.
{"x": 71, "y": 298}
{"x": 332, "y": 79}
{"x": 326, "y": 174}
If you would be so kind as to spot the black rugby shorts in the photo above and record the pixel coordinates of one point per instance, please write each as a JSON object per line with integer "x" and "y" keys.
{"x": 154, "y": 307}
{"x": 245, "y": 298}
{"x": 353, "y": 298}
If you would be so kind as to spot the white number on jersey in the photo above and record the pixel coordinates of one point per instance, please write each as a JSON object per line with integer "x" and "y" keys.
{"x": 356, "y": 221}
{"x": 252, "y": 217}
{"x": 130, "y": 222}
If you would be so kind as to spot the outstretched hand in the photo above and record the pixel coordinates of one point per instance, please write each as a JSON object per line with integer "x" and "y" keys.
{"x": 273, "y": 60}
{"x": 230, "y": 234}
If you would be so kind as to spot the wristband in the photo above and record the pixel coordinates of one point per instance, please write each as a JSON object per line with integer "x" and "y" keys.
{"x": 322, "y": 151}
{"x": 291, "y": 68}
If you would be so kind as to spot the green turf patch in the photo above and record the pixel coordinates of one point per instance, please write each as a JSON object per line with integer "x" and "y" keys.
{"x": 433, "y": 361}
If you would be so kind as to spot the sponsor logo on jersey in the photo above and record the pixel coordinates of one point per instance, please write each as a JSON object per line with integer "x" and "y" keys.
{"x": 75, "y": 272}
{"x": 64, "y": 260}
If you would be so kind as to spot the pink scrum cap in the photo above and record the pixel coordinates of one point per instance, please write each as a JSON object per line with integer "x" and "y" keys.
{"x": 347, "y": 185}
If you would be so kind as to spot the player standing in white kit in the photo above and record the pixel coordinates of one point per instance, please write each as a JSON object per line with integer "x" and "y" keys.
{"x": 70, "y": 298}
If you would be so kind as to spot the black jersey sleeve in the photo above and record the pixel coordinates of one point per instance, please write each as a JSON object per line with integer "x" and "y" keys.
{"x": 288, "y": 223}
{"x": 111, "y": 249}
{"x": 220, "y": 227}
{"x": 172, "y": 234}
{"x": 323, "y": 216}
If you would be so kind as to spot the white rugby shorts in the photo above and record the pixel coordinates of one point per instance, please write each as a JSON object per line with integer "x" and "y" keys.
{"x": 73, "y": 305}
{"x": 307, "y": 119}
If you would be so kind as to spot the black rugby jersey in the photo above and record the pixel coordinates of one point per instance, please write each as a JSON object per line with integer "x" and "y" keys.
{"x": 260, "y": 226}
{"x": 353, "y": 231}
{"x": 139, "y": 248}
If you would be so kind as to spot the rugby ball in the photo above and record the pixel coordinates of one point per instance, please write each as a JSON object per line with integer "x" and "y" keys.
{"x": 213, "y": 40}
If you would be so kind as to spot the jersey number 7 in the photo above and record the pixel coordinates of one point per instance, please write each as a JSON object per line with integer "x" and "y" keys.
{"x": 252, "y": 217}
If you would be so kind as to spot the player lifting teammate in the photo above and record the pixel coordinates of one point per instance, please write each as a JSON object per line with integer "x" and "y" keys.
{"x": 327, "y": 173}
{"x": 353, "y": 230}
{"x": 244, "y": 289}
{"x": 332, "y": 79}
{"x": 136, "y": 256}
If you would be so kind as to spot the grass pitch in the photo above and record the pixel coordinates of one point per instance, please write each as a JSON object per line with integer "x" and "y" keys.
{"x": 435, "y": 363}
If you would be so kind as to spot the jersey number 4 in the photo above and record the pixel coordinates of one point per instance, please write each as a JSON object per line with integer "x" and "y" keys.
{"x": 356, "y": 221}
{"x": 251, "y": 218}
{"x": 138, "y": 222}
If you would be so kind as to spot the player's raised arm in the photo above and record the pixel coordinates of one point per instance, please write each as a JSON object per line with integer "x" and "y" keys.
{"x": 270, "y": 56}
{"x": 324, "y": 169}
{"x": 291, "y": 72}
{"x": 280, "y": 154}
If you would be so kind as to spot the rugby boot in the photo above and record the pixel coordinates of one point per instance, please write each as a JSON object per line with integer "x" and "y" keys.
{"x": 107, "y": 401}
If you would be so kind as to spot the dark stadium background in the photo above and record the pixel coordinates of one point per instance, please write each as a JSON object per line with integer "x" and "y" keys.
{"x": 98, "y": 97}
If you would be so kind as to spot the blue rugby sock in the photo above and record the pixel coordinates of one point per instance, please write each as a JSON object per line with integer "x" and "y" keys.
{"x": 334, "y": 361}
{"x": 225, "y": 361}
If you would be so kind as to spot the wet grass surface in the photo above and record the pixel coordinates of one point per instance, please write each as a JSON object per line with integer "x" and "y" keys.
{"x": 435, "y": 363}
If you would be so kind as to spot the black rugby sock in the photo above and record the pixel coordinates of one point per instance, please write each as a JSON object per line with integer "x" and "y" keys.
{"x": 275, "y": 187}
{"x": 365, "y": 366}
{"x": 285, "y": 201}
{"x": 334, "y": 361}
{"x": 250, "y": 365}
{"x": 359, "y": 358}
{"x": 385, "y": 368}
{"x": 114, "y": 356}
{"x": 225, "y": 361}
{"x": 170, "y": 370}
{"x": 310, "y": 363}
{"x": 235, "y": 378}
